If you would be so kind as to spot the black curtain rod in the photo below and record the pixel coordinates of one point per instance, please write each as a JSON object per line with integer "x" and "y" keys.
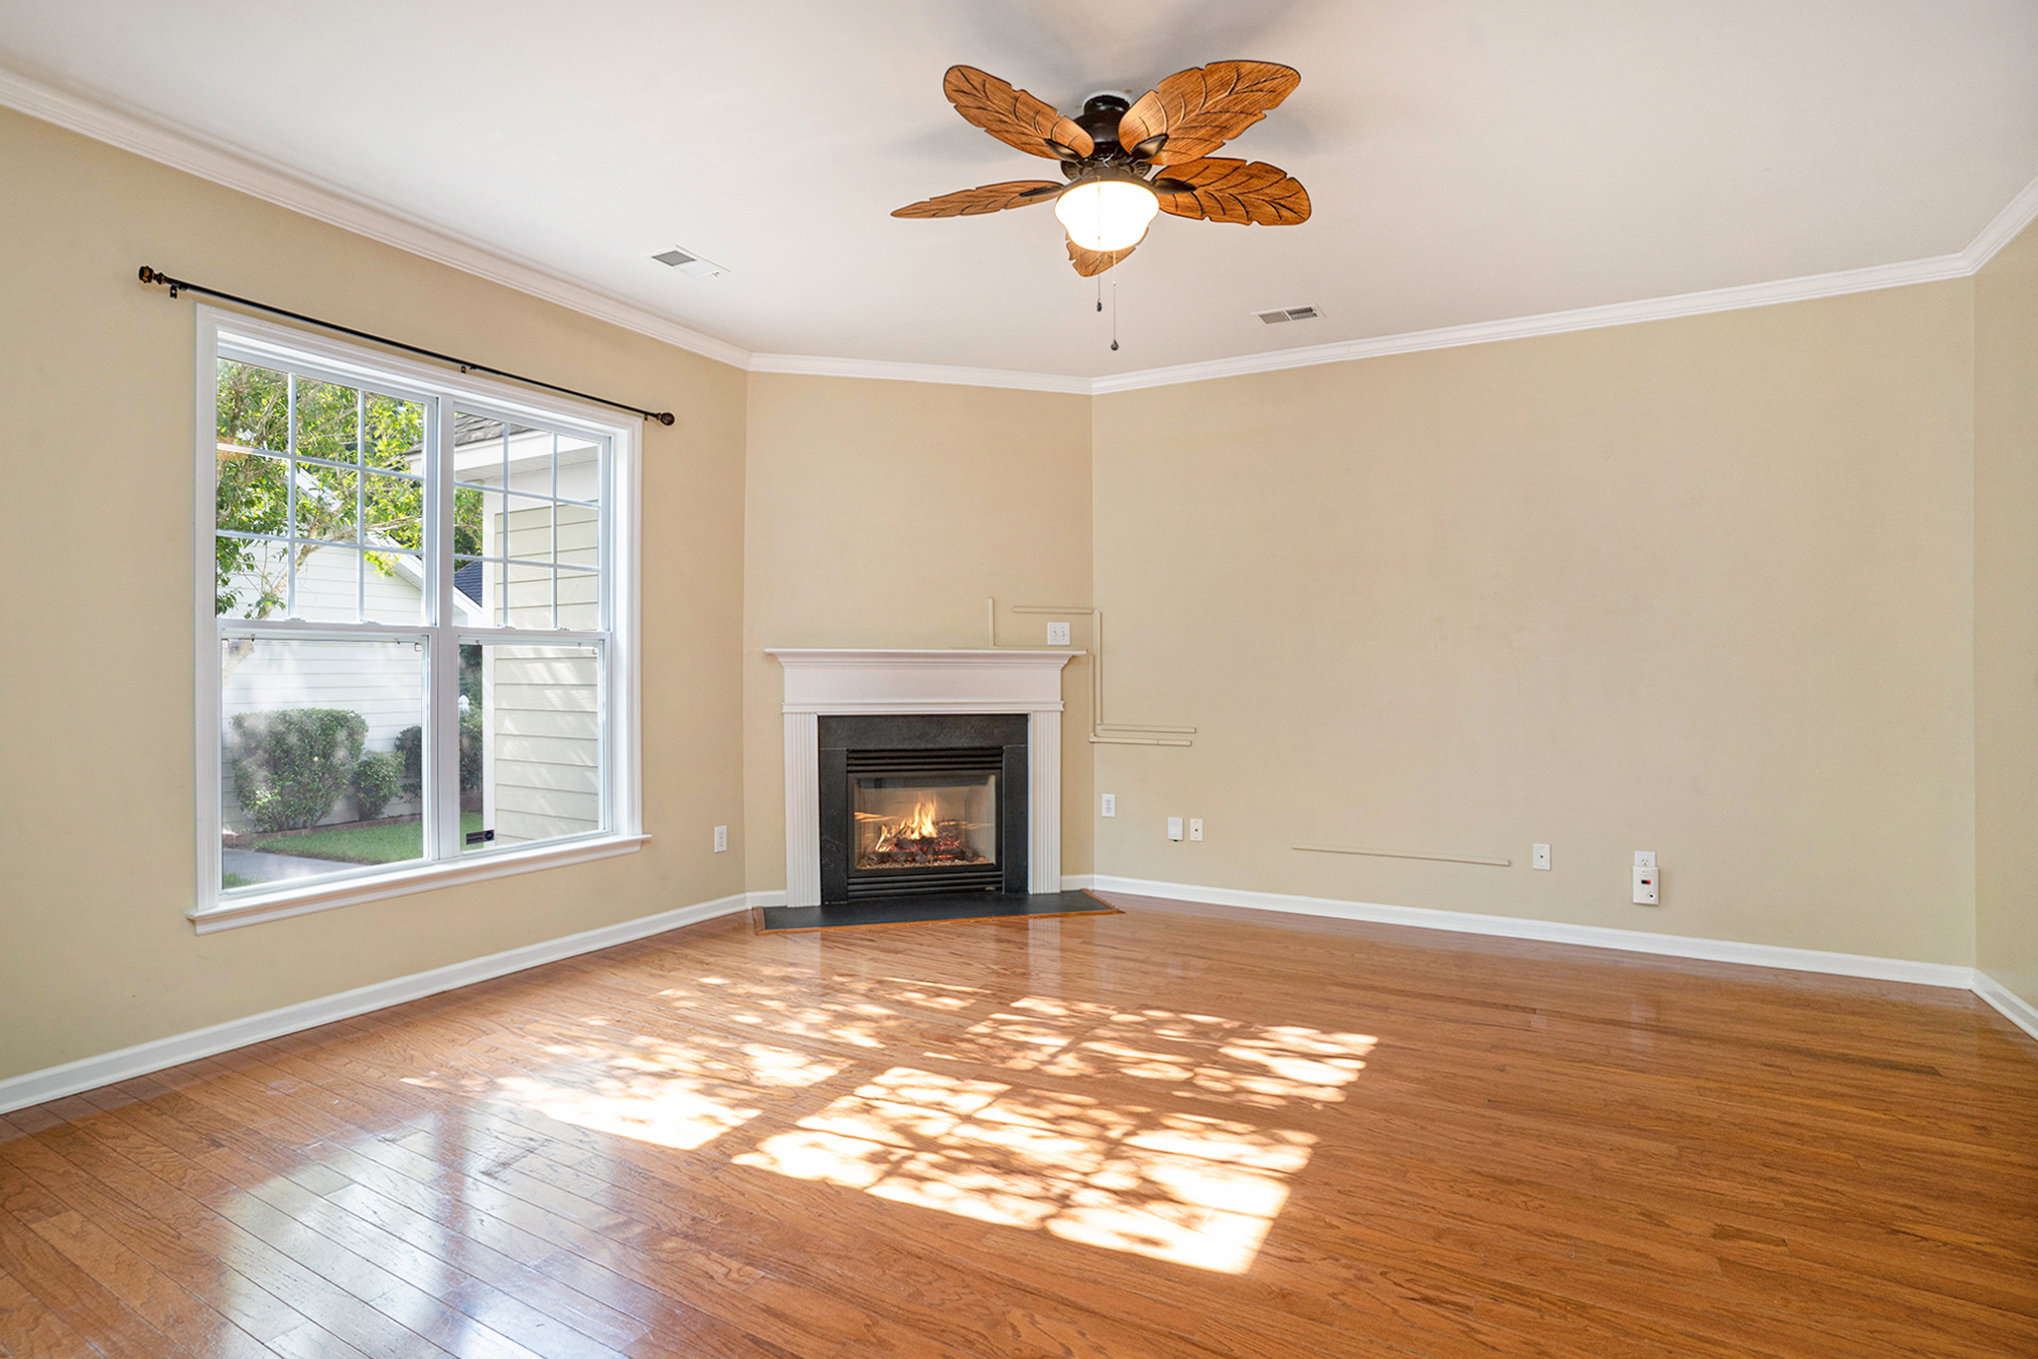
{"x": 178, "y": 285}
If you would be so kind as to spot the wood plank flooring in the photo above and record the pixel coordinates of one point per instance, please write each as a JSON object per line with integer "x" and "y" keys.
{"x": 1177, "y": 1133}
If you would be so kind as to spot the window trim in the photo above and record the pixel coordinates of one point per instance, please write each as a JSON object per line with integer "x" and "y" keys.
{"x": 352, "y": 363}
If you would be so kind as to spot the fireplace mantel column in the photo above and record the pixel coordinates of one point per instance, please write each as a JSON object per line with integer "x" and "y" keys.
{"x": 1043, "y": 814}
{"x": 819, "y": 682}
{"x": 803, "y": 809}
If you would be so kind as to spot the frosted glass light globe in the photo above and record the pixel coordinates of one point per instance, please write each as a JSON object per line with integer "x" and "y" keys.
{"x": 1107, "y": 214}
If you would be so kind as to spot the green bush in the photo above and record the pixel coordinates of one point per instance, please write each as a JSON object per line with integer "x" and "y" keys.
{"x": 378, "y": 778}
{"x": 290, "y": 766}
{"x": 410, "y": 746}
{"x": 471, "y": 740}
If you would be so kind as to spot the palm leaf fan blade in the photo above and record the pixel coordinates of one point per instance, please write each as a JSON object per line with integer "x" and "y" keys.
{"x": 1090, "y": 263}
{"x": 1202, "y": 108}
{"x": 1017, "y": 193}
{"x": 1013, "y": 116}
{"x": 1240, "y": 192}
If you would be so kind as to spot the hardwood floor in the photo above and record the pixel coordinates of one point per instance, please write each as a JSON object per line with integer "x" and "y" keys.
{"x": 1178, "y": 1132}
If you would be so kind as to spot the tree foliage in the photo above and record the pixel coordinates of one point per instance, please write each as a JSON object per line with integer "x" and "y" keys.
{"x": 369, "y": 497}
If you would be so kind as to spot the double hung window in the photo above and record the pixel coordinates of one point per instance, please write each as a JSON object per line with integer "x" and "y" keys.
{"x": 414, "y": 606}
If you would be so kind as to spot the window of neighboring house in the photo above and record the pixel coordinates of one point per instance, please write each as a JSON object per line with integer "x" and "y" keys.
{"x": 414, "y": 605}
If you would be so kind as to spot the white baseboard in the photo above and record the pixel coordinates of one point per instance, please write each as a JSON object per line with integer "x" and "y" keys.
{"x": 2012, "y": 1006}
{"x": 35, "y": 1087}
{"x": 1555, "y": 932}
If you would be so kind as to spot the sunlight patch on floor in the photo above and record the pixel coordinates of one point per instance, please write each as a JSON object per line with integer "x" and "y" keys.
{"x": 662, "y": 1093}
{"x": 1188, "y": 1187}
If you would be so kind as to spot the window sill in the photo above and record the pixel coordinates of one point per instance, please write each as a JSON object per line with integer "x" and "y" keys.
{"x": 282, "y": 904}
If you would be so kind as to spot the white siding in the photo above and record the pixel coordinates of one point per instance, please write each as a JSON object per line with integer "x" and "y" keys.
{"x": 543, "y": 704}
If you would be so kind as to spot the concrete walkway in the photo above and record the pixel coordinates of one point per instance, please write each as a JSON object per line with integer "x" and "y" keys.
{"x": 260, "y": 866}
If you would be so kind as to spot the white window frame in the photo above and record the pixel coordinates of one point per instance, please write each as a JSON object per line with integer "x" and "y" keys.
{"x": 354, "y": 364}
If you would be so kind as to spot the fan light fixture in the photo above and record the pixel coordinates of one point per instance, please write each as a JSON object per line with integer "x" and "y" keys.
{"x": 1121, "y": 163}
{"x": 1107, "y": 214}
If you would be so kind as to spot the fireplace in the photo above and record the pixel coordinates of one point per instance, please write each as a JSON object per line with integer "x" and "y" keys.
{"x": 932, "y": 802}
{"x": 1017, "y": 687}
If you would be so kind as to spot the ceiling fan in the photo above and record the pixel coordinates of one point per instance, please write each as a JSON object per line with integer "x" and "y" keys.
{"x": 1124, "y": 163}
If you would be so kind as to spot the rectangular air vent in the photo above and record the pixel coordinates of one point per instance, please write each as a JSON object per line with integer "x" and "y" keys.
{"x": 690, "y": 264}
{"x": 1281, "y": 315}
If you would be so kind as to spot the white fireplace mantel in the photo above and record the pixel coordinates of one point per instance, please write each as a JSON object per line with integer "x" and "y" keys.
{"x": 834, "y": 681}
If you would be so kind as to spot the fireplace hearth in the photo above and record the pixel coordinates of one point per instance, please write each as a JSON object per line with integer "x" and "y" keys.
{"x": 914, "y": 803}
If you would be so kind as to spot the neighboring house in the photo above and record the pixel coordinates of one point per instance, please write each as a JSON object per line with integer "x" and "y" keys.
{"x": 541, "y": 764}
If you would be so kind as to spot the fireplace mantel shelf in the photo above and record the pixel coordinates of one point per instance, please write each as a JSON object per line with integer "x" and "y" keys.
{"x": 841, "y": 681}
{"x": 829, "y": 681}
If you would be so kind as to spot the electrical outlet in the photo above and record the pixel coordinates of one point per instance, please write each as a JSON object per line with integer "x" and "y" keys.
{"x": 1174, "y": 828}
{"x": 1057, "y": 634}
{"x": 1195, "y": 828}
{"x": 1110, "y": 804}
{"x": 1542, "y": 858}
{"x": 721, "y": 839}
{"x": 1645, "y": 858}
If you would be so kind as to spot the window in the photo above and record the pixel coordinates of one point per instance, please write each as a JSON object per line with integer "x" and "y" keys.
{"x": 415, "y": 652}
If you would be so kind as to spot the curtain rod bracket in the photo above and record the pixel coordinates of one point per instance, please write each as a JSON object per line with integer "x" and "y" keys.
{"x": 178, "y": 286}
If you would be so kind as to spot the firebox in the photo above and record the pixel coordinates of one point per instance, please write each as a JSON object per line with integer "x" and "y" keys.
{"x": 922, "y": 803}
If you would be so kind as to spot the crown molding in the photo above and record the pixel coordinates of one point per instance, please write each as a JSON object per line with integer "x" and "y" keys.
{"x": 1737, "y": 298}
{"x": 883, "y": 370}
{"x": 2017, "y": 214}
{"x": 187, "y": 151}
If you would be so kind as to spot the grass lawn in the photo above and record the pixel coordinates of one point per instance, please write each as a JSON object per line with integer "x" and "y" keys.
{"x": 232, "y": 880}
{"x": 391, "y": 844}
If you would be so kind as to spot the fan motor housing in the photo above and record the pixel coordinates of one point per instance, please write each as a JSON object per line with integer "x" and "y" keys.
{"x": 1100, "y": 116}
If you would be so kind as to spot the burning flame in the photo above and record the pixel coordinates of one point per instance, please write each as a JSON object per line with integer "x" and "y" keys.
{"x": 918, "y": 826}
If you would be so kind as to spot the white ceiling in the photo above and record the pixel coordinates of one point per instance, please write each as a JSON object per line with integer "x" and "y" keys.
{"x": 1469, "y": 160}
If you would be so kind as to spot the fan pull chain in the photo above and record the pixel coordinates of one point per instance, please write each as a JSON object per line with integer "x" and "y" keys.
{"x": 1114, "y": 315}
{"x": 1100, "y": 293}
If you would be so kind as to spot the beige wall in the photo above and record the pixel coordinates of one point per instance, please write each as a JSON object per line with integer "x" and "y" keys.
{"x": 884, "y": 514}
{"x": 1720, "y": 587}
{"x": 96, "y": 408}
{"x": 1699, "y": 586}
{"x": 2006, "y": 616}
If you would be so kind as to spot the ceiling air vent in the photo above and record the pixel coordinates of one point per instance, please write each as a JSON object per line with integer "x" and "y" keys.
{"x": 690, "y": 264}
{"x": 1282, "y": 315}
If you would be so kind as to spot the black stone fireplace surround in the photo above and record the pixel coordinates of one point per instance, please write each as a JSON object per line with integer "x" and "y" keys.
{"x": 905, "y": 744}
